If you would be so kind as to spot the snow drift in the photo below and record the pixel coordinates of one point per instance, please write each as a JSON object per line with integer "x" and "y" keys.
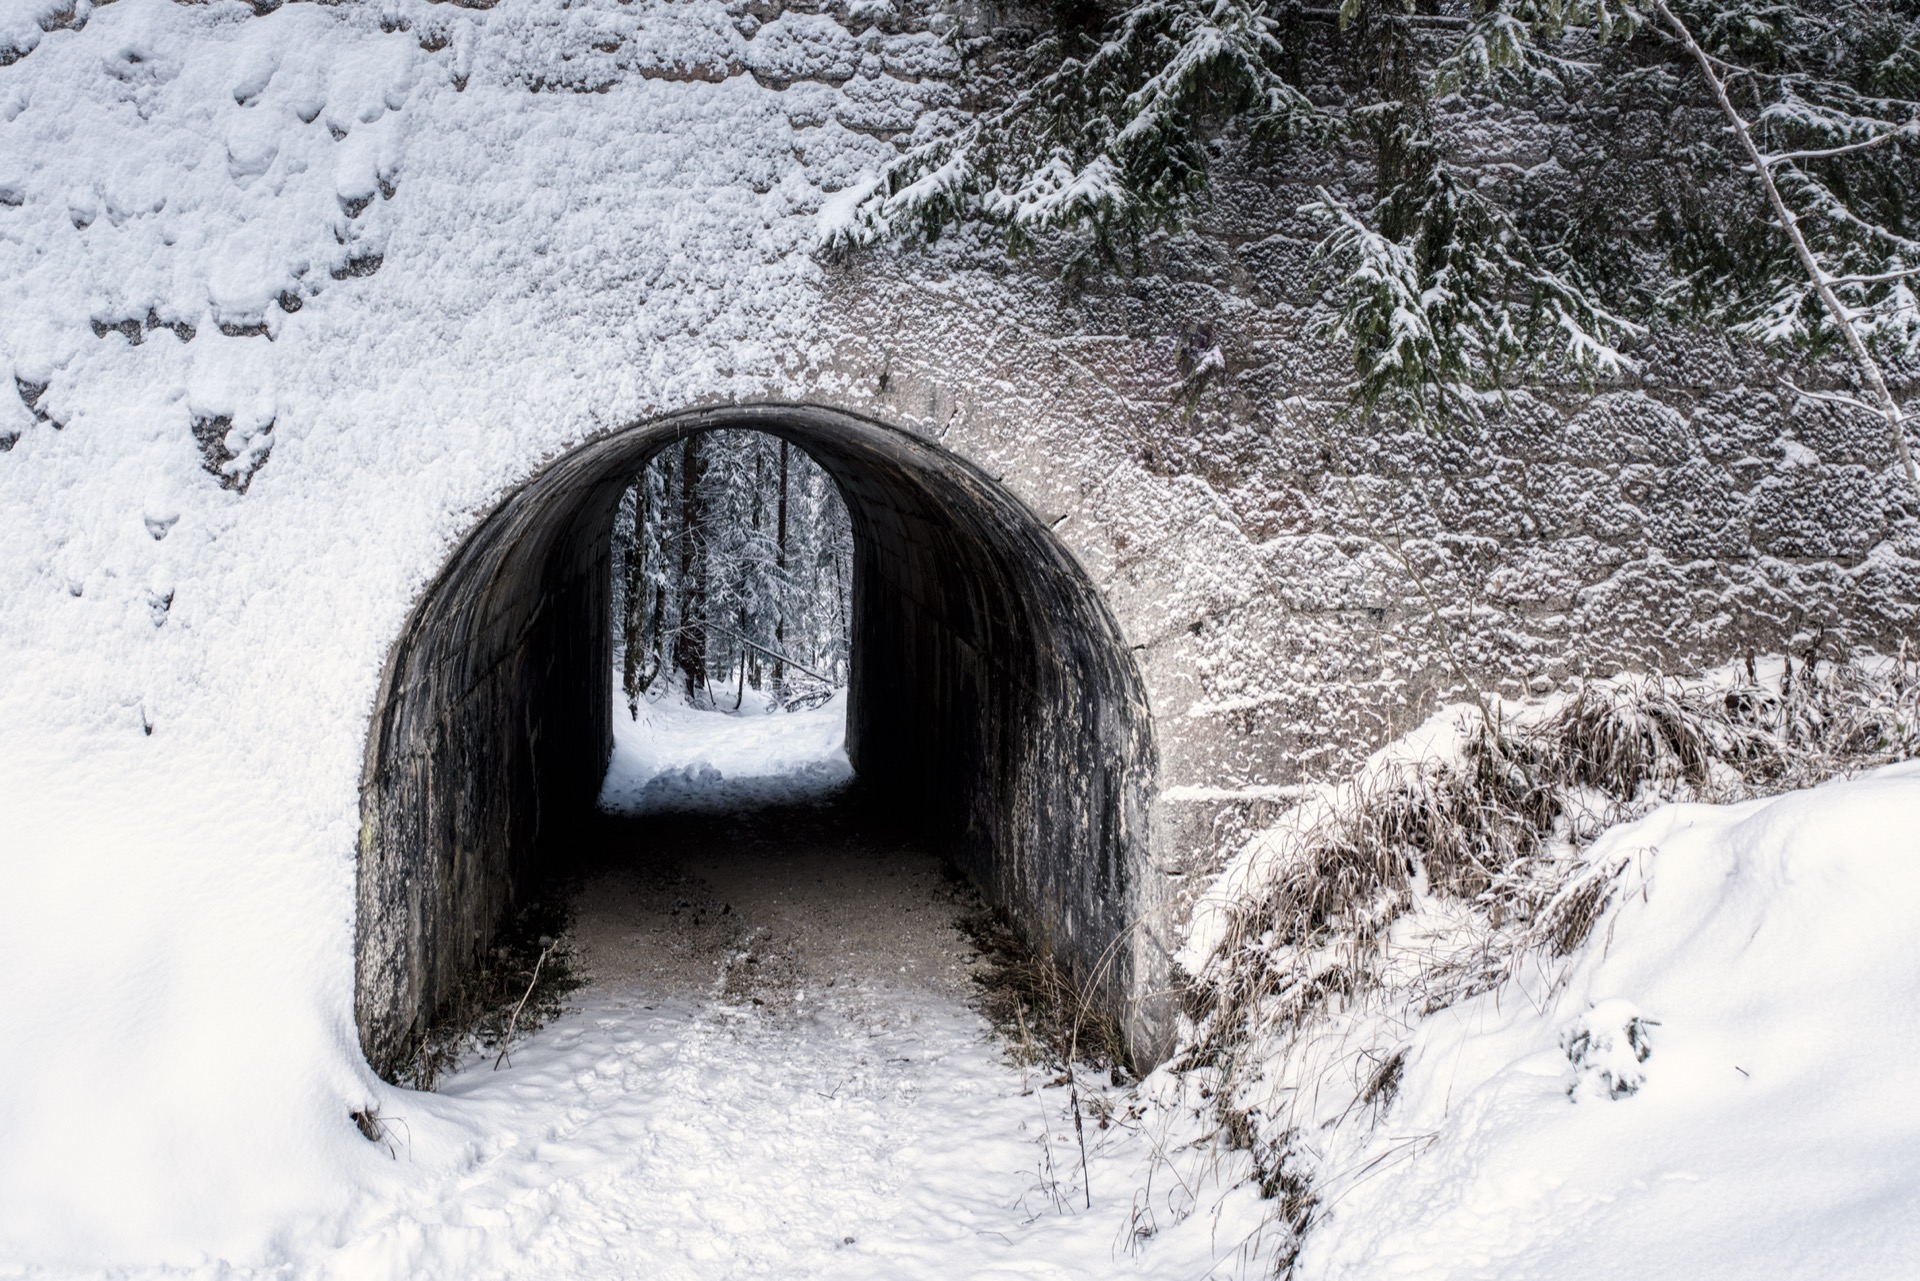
{"x": 1489, "y": 1008}
{"x": 1721, "y": 1083}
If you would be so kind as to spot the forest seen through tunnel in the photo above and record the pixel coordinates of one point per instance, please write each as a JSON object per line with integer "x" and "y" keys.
{"x": 734, "y": 853}
{"x": 732, "y": 565}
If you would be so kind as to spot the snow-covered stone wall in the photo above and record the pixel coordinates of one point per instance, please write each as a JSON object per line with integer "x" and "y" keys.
{"x": 292, "y": 299}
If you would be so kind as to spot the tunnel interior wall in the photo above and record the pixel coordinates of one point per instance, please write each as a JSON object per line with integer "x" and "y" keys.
{"x": 992, "y": 696}
{"x": 488, "y": 745}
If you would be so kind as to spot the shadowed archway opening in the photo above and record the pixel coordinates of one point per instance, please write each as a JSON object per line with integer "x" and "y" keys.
{"x": 991, "y": 698}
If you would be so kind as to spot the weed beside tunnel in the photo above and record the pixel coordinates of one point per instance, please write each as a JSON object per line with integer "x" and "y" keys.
{"x": 1444, "y": 865}
{"x": 518, "y": 986}
{"x": 1048, "y": 1019}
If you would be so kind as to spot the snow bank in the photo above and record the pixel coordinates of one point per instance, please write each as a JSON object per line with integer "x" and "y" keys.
{"x": 1439, "y": 738}
{"x": 1722, "y": 1083}
{"x": 1490, "y": 1007}
{"x": 1719, "y": 1079}
{"x": 668, "y": 756}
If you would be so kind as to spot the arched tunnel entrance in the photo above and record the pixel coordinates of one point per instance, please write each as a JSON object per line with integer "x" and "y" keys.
{"x": 991, "y": 695}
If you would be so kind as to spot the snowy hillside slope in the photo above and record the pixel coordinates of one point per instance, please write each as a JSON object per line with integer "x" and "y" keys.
{"x": 1674, "y": 1034}
{"x": 344, "y": 259}
{"x": 1721, "y": 1083}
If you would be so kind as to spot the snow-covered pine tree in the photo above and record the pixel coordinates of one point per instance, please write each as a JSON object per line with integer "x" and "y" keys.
{"x": 1452, "y": 271}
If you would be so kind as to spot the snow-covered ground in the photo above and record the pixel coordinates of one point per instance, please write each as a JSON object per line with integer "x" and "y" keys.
{"x": 1719, "y": 1076}
{"x": 879, "y": 1134}
{"x": 1723, "y": 1082}
{"x": 774, "y": 1071}
{"x": 667, "y": 755}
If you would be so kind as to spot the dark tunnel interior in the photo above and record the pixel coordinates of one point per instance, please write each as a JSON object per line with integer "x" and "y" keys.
{"x": 991, "y": 695}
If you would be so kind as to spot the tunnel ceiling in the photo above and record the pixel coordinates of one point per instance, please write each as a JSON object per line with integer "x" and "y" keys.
{"x": 991, "y": 694}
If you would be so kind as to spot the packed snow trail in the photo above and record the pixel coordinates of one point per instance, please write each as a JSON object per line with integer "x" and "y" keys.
{"x": 776, "y": 1073}
{"x": 774, "y": 1070}
{"x": 671, "y": 757}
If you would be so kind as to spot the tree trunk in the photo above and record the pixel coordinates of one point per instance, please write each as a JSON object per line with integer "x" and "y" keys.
{"x": 660, "y": 641}
{"x": 634, "y": 625}
{"x": 780, "y": 583}
{"x": 750, "y": 658}
{"x": 690, "y": 640}
{"x": 740, "y": 694}
{"x": 841, "y": 672}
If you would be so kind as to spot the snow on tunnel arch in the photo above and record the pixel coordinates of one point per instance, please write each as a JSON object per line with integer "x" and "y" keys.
{"x": 991, "y": 694}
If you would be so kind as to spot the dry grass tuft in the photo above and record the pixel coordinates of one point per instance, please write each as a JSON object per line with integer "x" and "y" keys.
{"x": 1047, "y": 1018}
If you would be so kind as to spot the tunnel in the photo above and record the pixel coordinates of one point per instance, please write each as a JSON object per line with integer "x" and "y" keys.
{"x": 991, "y": 696}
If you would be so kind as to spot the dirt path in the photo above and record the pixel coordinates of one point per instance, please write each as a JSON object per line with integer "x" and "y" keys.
{"x": 773, "y": 907}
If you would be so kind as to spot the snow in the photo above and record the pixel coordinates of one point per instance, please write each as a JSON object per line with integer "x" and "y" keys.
{"x": 190, "y": 669}
{"x": 860, "y": 1121}
{"x": 1722, "y": 1083}
{"x": 877, "y": 1135}
{"x": 190, "y": 672}
{"x": 1720, "y": 1080}
{"x": 1437, "y": 738}
{"x": 669, "y": 756}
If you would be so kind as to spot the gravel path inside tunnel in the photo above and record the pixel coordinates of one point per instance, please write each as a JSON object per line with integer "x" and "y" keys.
{"x": 776, "y": 1070}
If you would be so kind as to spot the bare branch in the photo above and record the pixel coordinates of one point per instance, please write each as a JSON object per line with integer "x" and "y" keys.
{"x": 1887, "y": 406}
{"x": 506, "y": 1041}
{"x": 1877, "y": 278}
{"x": 1823, "y": 153}
{"x": 756, "y": 646}
{"x": 1830, "y": 397}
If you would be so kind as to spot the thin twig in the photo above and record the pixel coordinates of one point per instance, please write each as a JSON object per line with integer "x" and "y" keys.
{"x": 1829, "y": 397}
{"x": 770, "y": 653}
{"x": 1823, "y": 153}
{"x": 1073, "y": 1098}
{"x": 1877, "y": 277}
{"x": 514, "y": 1020}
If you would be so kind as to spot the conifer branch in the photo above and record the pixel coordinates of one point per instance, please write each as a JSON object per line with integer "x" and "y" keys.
{"x": 1885, "y": 403}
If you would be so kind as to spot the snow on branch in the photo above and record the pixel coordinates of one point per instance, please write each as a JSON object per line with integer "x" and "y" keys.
{"x": 1460, "y": 300}
{"x": 1451, "y": 269}
{"x": 1111, "y": 140}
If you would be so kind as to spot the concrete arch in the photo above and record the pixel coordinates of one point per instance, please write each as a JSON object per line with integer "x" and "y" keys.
{"x": 992, "y": 693}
